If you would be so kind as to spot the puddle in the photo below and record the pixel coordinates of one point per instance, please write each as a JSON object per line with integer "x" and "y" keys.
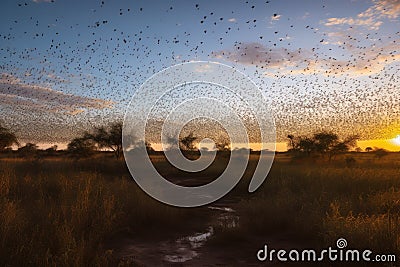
{"x": 222, "y": 209}
{"x": 184, "y": 249}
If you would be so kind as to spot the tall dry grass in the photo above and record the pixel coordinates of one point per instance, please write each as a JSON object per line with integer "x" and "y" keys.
{"x": 61, "y": 213}
{"x": 317, "y": 203}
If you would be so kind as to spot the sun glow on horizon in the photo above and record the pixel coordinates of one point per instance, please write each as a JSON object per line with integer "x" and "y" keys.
{"x": 396, "y": 140}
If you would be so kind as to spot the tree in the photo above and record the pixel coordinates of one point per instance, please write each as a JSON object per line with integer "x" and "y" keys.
{"x": 149, "y": 147}
{"x": 188, "y": 142}
{"x": 306, "y": 145}
{"x": 380, "y": 153}
{"x": 29, "y": 149}
{"x": 223, "y": 146}
{"x": 325, "y": 142}
{"x": 108, "y": 137}
{"x": 343, "y": 146}
{"x": 81, "y": 147}
{"x": 368, "y": 149}
{"x": 7, "y": 139}
{"x": 51, "y": 149}
{"x": 322, "y": 143}
{"x": 292, "y": 142}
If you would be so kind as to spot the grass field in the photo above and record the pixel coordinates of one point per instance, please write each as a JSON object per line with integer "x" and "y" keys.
{"x": 61, "y": 212}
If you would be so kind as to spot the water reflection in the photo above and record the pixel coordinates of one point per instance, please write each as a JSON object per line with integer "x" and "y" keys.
{"x": 185, "y": 247}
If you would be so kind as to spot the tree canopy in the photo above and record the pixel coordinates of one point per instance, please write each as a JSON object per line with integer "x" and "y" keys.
{"x": 7, "y": 138}
{"x": 109, "y": 137}
{"x": 81, "y": 147}
{"x": 322, "y": 143}
{"x": 102, "y": 137}
{"x": 188, "y": 142}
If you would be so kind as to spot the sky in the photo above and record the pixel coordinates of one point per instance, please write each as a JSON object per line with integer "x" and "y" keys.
{"x": 67, "y": 66}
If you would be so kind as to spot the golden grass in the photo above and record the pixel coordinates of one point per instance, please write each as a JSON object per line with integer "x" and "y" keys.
{"x": 60, "y": 212}
{"x": 319, "y": 203}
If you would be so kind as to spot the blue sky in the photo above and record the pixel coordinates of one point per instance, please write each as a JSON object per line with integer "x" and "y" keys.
{"x": 68, "y": 65}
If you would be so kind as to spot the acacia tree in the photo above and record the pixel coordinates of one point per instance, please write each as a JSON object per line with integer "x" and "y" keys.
{"x": 188, "y": 142}
{"x": 109, "y": 137}
{"x": 7, "y": 138}
{"x": 344, "y": 145}
{"x": 81, "y": 147}
{"x": 368, "y": 149}
{"x": 325, "y": 142}
{"x": 322, "y": 143}
{"x": 306, "y": 145}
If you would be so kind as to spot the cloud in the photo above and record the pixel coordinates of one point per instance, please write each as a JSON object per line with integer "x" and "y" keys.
{"x": 372, "y": 17}
{"x": 283, "y": 61}
{"x": 232, "y": 20}
{"x": 204, "y": 68}
{"x": 371, "y": 23}
{"x": 367, "y": 66}
{"x": 17, "y": 94}
{"x": 383, "y": 9}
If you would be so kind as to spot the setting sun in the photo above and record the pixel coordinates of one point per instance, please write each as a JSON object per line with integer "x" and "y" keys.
{"x": 396, "y": 140}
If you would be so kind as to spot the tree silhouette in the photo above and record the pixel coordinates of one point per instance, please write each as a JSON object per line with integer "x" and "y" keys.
{"x": 188, "y": 142}
{"x": 306, "y": 145}
{"x": 81, "y": 147}
{"x": 7, "y": 138}
{"x": 51, "y": 150}
{"x": 380, "y": 153}
{"x": 292, "y": 142}
{"x": 368, "y": 149}
{"x": 109, "y": 137}
{"x": 325, "y": 142}
{"x": 29, "y": 149}
{"x": 322, "y": 143}
{"x": 343, "y": 146}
